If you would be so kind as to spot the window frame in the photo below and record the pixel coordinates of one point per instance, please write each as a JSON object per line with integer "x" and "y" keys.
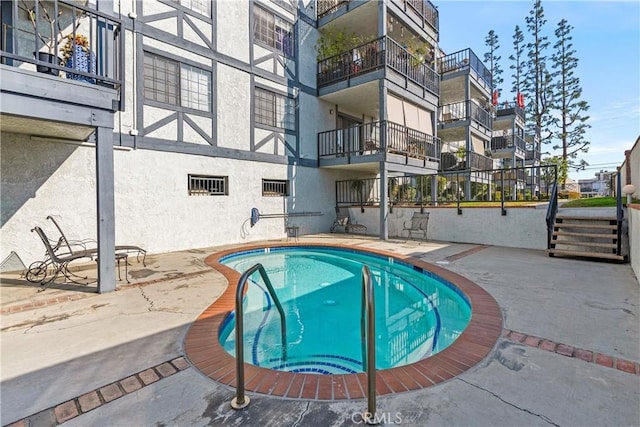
{"x": 190, "y": 7}
{"x": 282, "y": 112}
{"x": 276, "y": 182}
{"x": 192, "y": 179}
{"x": 183, "y": 86}
{"x": 266, "y": 34}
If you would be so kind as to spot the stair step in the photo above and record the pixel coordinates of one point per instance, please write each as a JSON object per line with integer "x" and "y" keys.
{"x": 586, "y": 244}
{"x": 585, "y": 254}
{"x": 586, "y": 218}
{"x": 607, "y": 236}
{"x": 577, "y": 225}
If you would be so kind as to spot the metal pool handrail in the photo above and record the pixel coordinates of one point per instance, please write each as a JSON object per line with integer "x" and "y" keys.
{"x": 241, "y": 401}
{"x": 367, "y": 338}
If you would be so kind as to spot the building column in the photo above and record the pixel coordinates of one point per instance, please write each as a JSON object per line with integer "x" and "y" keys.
{"x": 105, "y": 210}
{"x": 384, "y": 202}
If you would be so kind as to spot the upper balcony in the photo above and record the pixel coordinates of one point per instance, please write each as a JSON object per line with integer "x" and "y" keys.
{"x": 464, "y": 160}
{"x": 79, "y": 50}
{"x": 382, "y": 55}
{"x": 505, "y": 109}
{"x": 465, "y": 62}
{"x": 465, "y": 113}
{"x": 503, "y": 146}
{"x": 422, "y": 12}
{"x": 363, "y": 144}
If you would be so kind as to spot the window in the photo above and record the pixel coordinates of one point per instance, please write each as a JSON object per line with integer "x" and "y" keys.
{"x": 275, "y": 110}
{"x": 169, "y": 82}
{"x": 273, "y": 31}
{"x": 275, "y": 187}
{"x": 202, "y": 185}
{"x": 200, "y": 6}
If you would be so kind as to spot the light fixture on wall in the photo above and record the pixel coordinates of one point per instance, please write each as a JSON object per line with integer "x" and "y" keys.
{"x": 331, "y": 111}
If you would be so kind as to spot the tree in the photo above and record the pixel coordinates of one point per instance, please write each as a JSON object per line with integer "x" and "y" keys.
{"x": 538, "y": 82}
{"x": 518, "y": 61}
{"x": 572, "y": 123}
{"x": 491, "y": 41}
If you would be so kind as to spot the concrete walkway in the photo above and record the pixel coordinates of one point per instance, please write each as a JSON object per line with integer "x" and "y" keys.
{"x": 569, "y": 353}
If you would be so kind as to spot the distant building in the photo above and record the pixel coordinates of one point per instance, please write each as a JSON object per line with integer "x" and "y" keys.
{"x": 598, "y": 186}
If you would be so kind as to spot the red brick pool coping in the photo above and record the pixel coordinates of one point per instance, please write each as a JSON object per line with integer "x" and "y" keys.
{"x": 203, "y": 349}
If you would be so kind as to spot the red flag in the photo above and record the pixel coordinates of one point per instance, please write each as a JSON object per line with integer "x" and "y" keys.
{"x": 494, "y": 99}
{"x": 520, "y": 100}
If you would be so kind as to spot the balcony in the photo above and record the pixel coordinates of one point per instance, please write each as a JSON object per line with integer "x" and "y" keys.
{"x": 379, "y": 54}
{"x": 508, "y": 144}
{"x": 365, "y": 140}
{"x": 466, "y": 111}
{"x": 510, "y": 175}
{"x": 44, "y": 43}
{"x": 532, "y": 155}
{"x": 421, "y": 11}
{"x": 326, "y": 7}
{"x": 465, "y": 60}
{"x": 509, "y": 109}
{"x": 464, "y": 160}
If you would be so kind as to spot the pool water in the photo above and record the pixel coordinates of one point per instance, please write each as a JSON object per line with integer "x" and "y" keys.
{"x": 320, "y": 289}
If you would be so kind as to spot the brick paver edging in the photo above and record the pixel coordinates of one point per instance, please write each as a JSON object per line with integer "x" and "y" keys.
{"x": 570, "y": 351}
{"x": 58, "y": 300}
{"x": 203, "y": 349}
{"x": 103, "y": 395}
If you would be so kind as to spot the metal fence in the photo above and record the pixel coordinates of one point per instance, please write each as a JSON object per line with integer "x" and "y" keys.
{"x": 527, "y": 184}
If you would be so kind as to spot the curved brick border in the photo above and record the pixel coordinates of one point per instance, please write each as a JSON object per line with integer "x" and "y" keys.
{"x": 204, "y": 351}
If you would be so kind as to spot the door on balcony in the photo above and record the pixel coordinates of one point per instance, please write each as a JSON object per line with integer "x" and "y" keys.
{"x": 349, "y": 138}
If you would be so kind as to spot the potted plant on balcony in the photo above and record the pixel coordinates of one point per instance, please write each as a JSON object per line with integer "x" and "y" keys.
{"x": 78, "y": 55}
{"x": 51, "y": 37}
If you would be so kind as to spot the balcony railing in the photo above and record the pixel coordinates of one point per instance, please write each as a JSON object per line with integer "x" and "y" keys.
{"x": 464, "y": 160}
{"x": 95, "y": 57}
{"x": 374, "y": 55}
{"x": 508, "y": 108}
{"x": 532, "y": 155}
{"x": 365, "y": 139}
{"x": 465, "y": 110}
{"x": 508, "y": 142}
{"x": 465, "y": 60}
{"x": 425, "y": 10}
{"x": 510, "y": 175}
{"x": 325, "y": 7}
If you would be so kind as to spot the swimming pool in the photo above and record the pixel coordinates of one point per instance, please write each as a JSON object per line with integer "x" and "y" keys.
{"x": 418, "y": 314}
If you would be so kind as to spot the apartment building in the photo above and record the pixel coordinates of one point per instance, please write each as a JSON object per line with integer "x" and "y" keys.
{"x": 168, "y": 121}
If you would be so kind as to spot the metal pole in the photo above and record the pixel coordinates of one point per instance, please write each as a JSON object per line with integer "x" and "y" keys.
{"x": 368, "y": 329}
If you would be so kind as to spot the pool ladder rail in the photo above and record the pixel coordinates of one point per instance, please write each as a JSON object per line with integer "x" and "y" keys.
{"x": 241, "y": 401}
{"x": 367, "y": 337}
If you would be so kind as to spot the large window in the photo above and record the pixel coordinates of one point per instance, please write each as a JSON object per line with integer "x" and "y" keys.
{"x": 200, "y": 6}
{"x": 274, "y": 110}
{"x": 273, "y": 31}
{"x": 169, "y": 82}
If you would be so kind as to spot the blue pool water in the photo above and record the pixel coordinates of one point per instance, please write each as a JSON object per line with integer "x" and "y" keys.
{"x": 417, "y": 313}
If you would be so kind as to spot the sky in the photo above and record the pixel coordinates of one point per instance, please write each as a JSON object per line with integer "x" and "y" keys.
{"x": 606, "y": 38}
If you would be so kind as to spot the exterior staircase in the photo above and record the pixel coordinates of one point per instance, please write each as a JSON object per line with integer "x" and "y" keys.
{"x": 586, "y": 236}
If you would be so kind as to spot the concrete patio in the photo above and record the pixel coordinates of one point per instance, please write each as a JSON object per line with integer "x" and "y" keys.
{"x": 569, "y": 353}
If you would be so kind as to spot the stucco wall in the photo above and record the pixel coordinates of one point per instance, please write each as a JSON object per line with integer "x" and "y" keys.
{"x": 152, "y": 206}
{"x": 520, "y": 228}
{"x": 633, "y": 213}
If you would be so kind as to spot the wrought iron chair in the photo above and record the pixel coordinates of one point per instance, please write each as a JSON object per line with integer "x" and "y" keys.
{"x": 39, "y": 271}
{"x": 344, "y": 220}
{"x": 80, "y": 246}
{"x": 417, "y": 224}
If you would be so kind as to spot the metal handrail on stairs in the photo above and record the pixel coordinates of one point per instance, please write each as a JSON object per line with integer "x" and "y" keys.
{"x": 619, "y": 213}
{"x": 552, "y": 210}
{"x": 241, "y": 401}
{"x": 367, "y": 338}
